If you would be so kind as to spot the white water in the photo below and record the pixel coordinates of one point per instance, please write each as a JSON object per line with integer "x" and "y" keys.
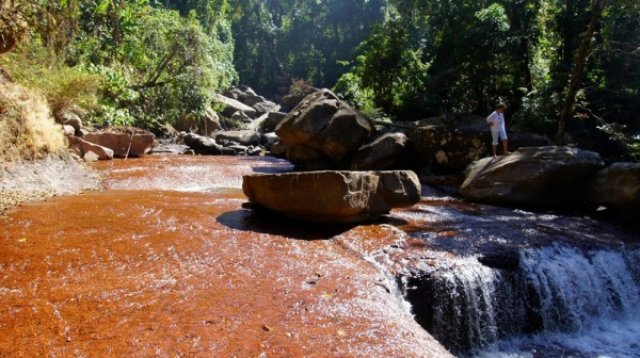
{"x": 559, "y": 302}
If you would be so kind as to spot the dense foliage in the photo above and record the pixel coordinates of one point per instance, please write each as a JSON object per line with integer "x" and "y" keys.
{"x": 281, "y": 40}
{"x": 563, "y": 66}
{"x": 126, "y": 61}
{"x": 549, "y": 60}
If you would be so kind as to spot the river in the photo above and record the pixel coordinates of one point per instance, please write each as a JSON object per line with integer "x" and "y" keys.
{"x": 165, "y": 262}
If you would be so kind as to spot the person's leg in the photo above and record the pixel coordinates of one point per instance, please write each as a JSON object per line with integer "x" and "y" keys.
{"x": 505, "y": 146}
{"x": 505, "y": 141}
{"x": 495, "y": 136}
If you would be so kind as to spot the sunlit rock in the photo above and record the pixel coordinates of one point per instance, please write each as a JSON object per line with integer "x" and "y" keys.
{"x": 382, "y": 153}
{"x": 327, "y": 125}
{"x": 124, "y": 141}
{"x": 333, "y": 196}
{"x": 544, "y": 176}
{"x": 84, "y": 148}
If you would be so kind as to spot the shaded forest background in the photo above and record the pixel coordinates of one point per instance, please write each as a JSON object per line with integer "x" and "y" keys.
{"x": 566, "y": 68}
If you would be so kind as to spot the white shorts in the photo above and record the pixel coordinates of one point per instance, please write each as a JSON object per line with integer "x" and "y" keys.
{"x": 498, "y": 134}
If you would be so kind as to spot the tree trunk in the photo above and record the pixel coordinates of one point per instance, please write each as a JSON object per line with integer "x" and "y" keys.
{"x": 579, "y": 69}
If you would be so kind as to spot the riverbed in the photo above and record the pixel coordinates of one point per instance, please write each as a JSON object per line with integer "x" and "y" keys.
{"x": 164, "y": 261}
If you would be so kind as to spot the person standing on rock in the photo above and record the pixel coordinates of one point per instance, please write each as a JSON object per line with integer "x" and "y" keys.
{"x": 499, "y": 129}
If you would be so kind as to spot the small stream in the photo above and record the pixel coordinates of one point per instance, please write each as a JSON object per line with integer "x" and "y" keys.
{"x": 164, "y": 261}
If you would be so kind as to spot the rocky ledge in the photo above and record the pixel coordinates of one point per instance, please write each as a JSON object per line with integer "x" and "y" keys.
{"x": 333, "y": 196}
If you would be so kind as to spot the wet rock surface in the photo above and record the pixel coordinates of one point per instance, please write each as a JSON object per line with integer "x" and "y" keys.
{"x": 167, "y": 244}
{"x": 333, "y": 196}
{"x": 171, "y": 265}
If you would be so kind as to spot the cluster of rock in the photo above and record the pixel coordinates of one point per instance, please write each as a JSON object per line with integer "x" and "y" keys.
{"x": 107, "y": 143}
{"x": 244, "y": 125}
{"x": 320, "y": 131}
{"x": 553, "y": 177}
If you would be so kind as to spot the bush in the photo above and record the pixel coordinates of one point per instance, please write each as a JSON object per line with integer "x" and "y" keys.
{"x": 62, "y": 86}
{"x": 27, "y": 130}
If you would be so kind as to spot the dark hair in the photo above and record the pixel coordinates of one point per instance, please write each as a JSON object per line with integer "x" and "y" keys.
{"x": 501, "y": 106}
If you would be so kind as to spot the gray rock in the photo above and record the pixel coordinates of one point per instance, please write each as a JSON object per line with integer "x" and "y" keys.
{"x": 271, "y": 121}
{"x": 380, "y": 154}
{"x": 202, "y": 145}
{"x": 266, "y": 107}
{"x": 240, "y": 116}
{"x": 241, "y": 137}
{"x": 240, "y": 149}
{"x": 71, "y": 119}
{"x": 268, "y": 139}
{"x": 232, "y": 106}
{"x": 534, "y": 177}
{"x": 252, "y": 99}
{"x": 334, "y": 197}
{"x": 206, "y": 124}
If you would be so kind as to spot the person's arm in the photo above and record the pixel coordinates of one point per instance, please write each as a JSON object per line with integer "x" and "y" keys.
{"x": 491, "y": 120}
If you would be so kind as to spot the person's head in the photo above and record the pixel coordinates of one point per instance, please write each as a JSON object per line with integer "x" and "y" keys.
{"x": 501, "y": 108}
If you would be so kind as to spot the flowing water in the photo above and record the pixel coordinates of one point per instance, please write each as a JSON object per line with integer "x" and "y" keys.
{"x": 165, "y": 262}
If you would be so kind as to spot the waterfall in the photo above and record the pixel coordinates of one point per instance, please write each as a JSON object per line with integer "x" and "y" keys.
{"x": 556, "y": 290}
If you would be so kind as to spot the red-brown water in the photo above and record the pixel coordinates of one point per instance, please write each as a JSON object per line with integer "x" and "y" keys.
{"x": 164, "y": 262}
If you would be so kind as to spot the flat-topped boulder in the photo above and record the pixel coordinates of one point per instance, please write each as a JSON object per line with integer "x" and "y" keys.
{"x": 536, "y": 176}
{"x": 333, "y": 196}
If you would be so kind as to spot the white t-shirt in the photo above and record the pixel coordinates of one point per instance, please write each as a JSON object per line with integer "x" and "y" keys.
{"x": 498, "y": 119}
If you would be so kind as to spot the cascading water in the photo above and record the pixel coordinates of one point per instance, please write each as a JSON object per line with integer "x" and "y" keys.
{"x": 555, "y": 297}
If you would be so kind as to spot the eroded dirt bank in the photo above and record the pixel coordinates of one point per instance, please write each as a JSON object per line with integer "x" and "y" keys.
{"x": 165, "y": 262}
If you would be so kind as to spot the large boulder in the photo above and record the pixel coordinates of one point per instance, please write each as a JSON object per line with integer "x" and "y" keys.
{"x": 232, "y": 106}
{"x": 325, "y": 125}
{"x": 89, "y": 150}
{"x": 124, "y": 141}
{"x": 617, "y": 186}
{"x": 452, "y": 142}
{"x": 206, "y": 124}
{"x": 201, "y": 144}
{"x": 382, "y": 153}
{"x": 333, "y": 196}
{"x": 534, "y": 177}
